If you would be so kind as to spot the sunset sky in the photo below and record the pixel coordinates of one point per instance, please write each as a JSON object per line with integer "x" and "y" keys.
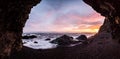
{"x": 63, "y": 16}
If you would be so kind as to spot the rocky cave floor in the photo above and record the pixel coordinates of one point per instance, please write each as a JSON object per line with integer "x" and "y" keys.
{"x": 101, "y": 46}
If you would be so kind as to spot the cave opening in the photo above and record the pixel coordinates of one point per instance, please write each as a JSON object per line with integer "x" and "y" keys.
{"x": 55, "y": 14}
{"x": 55, "y": 17}
{"x": 14, "y": 15}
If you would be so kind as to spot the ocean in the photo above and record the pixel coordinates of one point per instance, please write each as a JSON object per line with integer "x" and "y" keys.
{"x": 45, "y": 44}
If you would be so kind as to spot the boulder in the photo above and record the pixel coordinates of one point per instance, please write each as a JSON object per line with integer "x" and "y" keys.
{"x": 47, "y": 39}
{"x": 82, "y": 38}
{"x": 35, "y": 42}
{"x": 64, "y": 40}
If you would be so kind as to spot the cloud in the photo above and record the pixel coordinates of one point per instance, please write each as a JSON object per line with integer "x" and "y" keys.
{"x": 75, "y": 18}
{"x": 75, "y": 22}
{"x": 58, "y": 4}
{"x": 63, "y": 16}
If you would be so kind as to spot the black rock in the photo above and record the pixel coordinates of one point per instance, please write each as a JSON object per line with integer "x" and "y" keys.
{"x": 29, "y": 37}
{"x": 35, "y": 42}
{"x": 63, "y": 40}
{"x": 83, "y": 39}
{"x": 33, "y": 36}
{"x": 47, "y": 39}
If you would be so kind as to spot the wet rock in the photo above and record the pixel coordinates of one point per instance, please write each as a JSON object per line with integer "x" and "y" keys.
{"x": 35, "y": 42}
{"x": 64, "y": 40}
{"x": 83, "y": 39}
{"x": 29, "y": 37}
{"x": 25, "y": 37}
{"x": 47, "y": 39}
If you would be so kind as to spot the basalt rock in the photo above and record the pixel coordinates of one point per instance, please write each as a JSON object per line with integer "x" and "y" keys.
{"x": 35, "y": 42}
{"x": 63, "y": 40}
{"x": 47, "y": 39}
{"x": 13, "y": 15}
{"x": 82, "y": 37}
{"x": 29, "y": 37}
{"x": 111, "y": 10}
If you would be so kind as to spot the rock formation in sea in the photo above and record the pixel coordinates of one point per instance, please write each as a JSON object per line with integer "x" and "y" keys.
{"x": 83, "y": 39}
{"x": 64, "y": 40}
{"x": 47, "y": 39}
{"x": 29, "y": 37}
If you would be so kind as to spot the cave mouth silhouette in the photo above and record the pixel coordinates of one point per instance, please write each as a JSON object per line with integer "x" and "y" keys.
{"x": 14, "y": 15}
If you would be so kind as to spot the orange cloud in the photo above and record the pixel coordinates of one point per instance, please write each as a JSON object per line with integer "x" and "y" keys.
{"x": 72, "y": 22}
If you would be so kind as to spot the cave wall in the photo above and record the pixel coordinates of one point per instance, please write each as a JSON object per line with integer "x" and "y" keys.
{"x": 105, "y": 28}
{"x": 111, "y": 10}
{"x": 13, "y": 15}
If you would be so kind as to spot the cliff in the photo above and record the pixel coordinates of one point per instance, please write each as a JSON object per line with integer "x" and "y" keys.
{"x": 111, "y": 10}
{"x": 13, "y": 15}
{"x": 105, "y": 28}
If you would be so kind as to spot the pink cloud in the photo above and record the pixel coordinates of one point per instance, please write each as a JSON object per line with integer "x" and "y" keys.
{"x": 72, "y": 18}
{"x": 74, "y": 21}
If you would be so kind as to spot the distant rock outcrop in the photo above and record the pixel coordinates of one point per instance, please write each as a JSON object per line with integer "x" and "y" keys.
{"x": 35, "y": 42}
{"x": 82, "y": 38}
{"x": 29, "y": 37}
{"x": 47, "y": 39}
{"x": 64, "y": 40}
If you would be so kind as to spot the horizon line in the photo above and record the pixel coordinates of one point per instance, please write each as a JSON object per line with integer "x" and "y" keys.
{"x": 63, "y": 32}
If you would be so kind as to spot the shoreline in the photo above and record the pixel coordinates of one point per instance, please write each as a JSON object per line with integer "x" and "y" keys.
{"x": 101, "y": 47}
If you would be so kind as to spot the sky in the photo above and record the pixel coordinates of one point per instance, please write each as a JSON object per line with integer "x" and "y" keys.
{"x": 63, "y": 16}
